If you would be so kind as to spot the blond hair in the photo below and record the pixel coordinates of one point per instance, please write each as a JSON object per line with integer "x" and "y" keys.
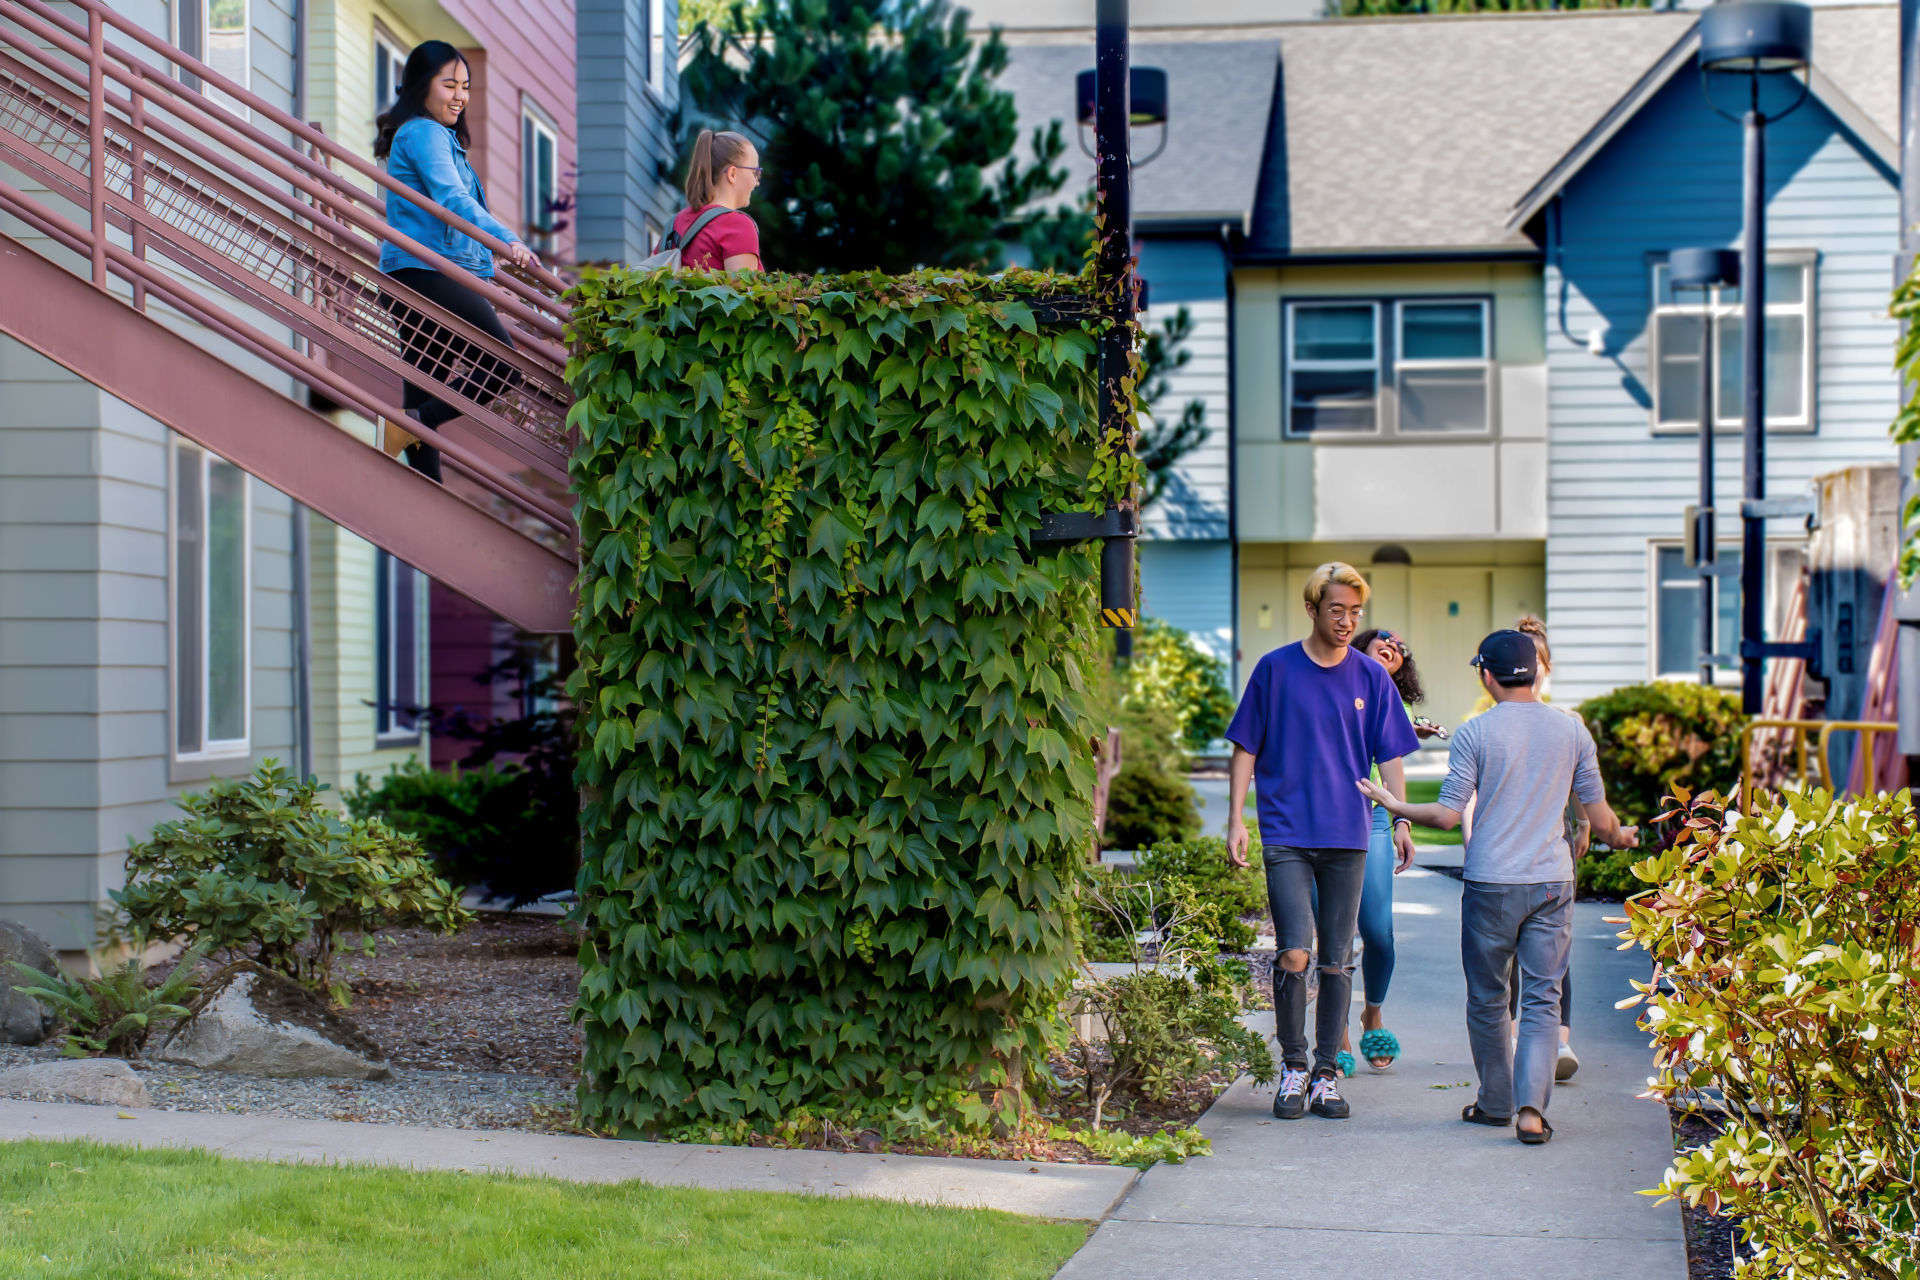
{"x": 1532, "y": 626}
{"x": 712, "y": 153}
{"x": 1333, "y": 573}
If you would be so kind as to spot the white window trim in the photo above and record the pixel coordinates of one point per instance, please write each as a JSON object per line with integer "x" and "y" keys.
{"x": 1724, "y": 677}
{"x": 384, "y": 733}
{"x": 1401, "y": 364}
{"x": 386, "y": 48}
{"x": 211, "y": 748}
{"x": 1808, "y": 262}
{"x": 542, "y": 126}
{"x": 657, "y": 46}
{"x": 1296, "y": 365}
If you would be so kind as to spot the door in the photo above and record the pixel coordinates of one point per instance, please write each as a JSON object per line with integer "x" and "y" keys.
{"x": 1452, "y": 612}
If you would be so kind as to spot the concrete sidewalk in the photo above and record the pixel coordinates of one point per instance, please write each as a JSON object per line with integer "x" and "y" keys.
{"x": 1405, "y": 1190}
{"x": 1084, "y": 1192}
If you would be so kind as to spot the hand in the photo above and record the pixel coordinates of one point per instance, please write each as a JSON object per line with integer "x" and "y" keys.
{"x": 1629, "y": 838}
{"x": 1373, "y": 790}
{"x": 521, "y": 256}
{"x": 1582, "y": 841}
{"x": 1237, "y": 841}
{"x": 1402, "y": 847}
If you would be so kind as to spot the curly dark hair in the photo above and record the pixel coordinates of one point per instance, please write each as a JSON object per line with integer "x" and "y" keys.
{"x": 1407, "y": 678}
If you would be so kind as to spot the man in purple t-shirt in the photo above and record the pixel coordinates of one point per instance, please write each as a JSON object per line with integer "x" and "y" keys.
{"x": 1316, "y": 716}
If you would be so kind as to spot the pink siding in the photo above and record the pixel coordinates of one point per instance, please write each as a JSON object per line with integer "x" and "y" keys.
{"x": 526, "y": 48}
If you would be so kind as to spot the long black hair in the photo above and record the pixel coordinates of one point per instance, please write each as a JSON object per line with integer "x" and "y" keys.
{"x": 1407, "y": 678}
{"x": 424, "y": 65}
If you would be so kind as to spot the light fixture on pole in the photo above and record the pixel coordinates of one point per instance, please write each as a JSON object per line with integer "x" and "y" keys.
{"x": 1147, "y": 106}
{"x": 1762, "y": 42}
{"x": 1708, "y": 271}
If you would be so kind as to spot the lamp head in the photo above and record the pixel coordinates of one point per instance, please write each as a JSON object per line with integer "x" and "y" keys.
{"x": 1756, "y": 36}
{"x": 1146, "y": 91}
{"x": 1703, "y": 268}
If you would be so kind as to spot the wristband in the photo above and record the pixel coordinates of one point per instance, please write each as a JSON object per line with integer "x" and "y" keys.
{"x": 1398, "y": 821}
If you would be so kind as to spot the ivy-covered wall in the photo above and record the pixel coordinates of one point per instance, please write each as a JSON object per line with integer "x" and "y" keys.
{"x": 835, "y": 747}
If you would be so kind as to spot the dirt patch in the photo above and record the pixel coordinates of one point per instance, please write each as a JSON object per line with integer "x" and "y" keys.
{"x": 1712, "y": 1240}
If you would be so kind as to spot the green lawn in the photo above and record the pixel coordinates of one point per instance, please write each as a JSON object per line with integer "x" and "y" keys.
{"x": 1422, "y": 791}
{"x": 93, "y": 1212}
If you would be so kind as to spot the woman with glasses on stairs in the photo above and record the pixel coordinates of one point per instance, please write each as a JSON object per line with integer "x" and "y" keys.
{"x": 423, "y": 139}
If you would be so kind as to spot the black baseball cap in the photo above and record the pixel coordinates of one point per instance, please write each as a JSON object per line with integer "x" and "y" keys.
{"x": 1509, "y": 656}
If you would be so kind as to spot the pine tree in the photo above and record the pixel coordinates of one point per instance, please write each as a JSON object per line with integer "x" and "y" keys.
{"x": 885, "y": 142}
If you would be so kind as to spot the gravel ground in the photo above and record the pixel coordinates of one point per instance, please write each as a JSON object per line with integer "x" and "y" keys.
{"x": 433, "y": 1099}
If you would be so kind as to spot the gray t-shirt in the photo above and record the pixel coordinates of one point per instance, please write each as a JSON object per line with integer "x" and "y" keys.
{"x": 1521, "y": 759}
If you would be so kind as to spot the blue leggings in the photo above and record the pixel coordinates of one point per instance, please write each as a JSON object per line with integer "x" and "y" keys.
{"x": 1376, "y": 910}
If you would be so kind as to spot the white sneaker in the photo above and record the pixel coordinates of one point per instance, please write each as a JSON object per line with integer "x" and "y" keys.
{"x": 1566, "y": 1064}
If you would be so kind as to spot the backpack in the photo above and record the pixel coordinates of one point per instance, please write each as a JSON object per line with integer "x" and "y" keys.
{"x": 668, "y": 259}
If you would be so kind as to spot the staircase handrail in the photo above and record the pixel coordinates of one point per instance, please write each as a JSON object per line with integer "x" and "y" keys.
{"x": 72, "y": 38}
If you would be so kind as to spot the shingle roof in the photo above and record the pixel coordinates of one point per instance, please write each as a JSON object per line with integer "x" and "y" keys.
{"x": 1221, "y": 94}
{"x": 1398, "y": 135}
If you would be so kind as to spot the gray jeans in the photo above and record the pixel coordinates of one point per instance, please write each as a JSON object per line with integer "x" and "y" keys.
{"x": 1293, "y": 876}
{"x": 1503, "y": 926}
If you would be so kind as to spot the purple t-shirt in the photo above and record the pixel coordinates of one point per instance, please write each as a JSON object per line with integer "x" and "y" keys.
{"x": 1313, "y": 731}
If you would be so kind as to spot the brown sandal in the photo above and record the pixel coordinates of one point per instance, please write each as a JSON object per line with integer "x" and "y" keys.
{"x": 1536, "y": 1139}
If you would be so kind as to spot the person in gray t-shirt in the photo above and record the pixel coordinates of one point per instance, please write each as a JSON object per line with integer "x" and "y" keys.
{"x": 1517, "y": 763}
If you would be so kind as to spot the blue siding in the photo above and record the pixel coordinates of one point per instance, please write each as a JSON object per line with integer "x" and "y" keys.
{"x": 1192, "y": 274}
{"x": 1190, "y": 584}
{"x": 1671, "y": 178}
{"x": 625, "y": 132}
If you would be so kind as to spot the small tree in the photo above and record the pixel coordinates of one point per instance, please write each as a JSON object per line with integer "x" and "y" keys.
{"x": 886, "y": 144}
{"x": 259, "y": 866}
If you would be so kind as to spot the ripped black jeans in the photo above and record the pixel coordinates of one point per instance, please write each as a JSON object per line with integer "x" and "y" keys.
{"x": 1295, "y": 879}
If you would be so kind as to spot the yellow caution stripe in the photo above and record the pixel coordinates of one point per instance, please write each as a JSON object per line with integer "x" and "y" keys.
{"x": 1117, "y": 617}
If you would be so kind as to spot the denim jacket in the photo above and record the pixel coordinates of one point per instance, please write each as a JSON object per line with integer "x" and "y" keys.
{"x": 427, "y": 157}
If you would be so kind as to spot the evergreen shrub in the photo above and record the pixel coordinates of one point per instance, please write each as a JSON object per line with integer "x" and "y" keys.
{"x": 1786, "y": 984}
{"x": 836, "y": 761}
{"x": 1652, "y": 737}
{"x": 1147, "y": 805}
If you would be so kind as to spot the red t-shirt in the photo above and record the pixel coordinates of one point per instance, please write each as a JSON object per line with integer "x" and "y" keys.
{"x": 727, "y": 235}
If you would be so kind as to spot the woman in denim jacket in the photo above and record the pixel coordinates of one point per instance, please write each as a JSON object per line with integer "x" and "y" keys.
{"x": 423, "y": 138}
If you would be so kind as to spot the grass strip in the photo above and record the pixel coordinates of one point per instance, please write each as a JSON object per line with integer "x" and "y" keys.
{"x": 94, "y": 1212}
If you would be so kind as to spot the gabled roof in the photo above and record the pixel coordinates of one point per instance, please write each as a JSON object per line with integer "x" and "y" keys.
{"x": 1221, "y": 92}
{"x": 1854, "y": 74}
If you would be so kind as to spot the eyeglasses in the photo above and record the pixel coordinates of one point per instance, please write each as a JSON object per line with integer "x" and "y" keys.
{"x": 1341, "y": 613}
{"x": 1394, "y": 642}
{"x": 750, "y": 168}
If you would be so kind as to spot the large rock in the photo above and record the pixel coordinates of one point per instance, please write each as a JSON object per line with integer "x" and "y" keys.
{"x": 102, "y": 1081}
{"x": 23, "y": 1020}
{"x": 260, "y": 1023}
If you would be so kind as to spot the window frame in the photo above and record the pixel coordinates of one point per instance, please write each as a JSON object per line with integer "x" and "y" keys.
{"x": 209, "y": 749}
{"x": 536, "y": 125}
{"x": 1807, "y": 309}
{"x": 189, "y": 23}
{"x": 387, "y": 731}
{"x": 1399, "y": 363}
{"x": 1778, "y": 549}
{"x": 388, "y": 52}
{"x": 1291, "y": 365}
{"x": 655, "y": 76}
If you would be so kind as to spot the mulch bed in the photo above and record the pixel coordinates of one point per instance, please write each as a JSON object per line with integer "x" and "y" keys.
{"x": 1711, "y": 1239}
{"x": 495, "y": 997}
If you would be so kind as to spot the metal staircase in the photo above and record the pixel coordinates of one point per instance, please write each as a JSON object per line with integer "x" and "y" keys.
{"x": 191, "y": 249}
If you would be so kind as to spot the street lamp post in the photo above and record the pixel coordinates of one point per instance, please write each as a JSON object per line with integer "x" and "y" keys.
{"x": 1114, "y": 275}
{"x": 1709, "y": 271}
{"x": 1757, "y": 39}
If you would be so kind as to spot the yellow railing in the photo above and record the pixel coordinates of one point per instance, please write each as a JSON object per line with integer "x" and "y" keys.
{"x": 1813, "y": 765}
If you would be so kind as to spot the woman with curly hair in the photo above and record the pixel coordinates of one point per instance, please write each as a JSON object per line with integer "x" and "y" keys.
{"x": 1379, "y": 1045}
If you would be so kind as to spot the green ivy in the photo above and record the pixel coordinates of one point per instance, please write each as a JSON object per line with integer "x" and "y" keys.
{"x": 836, "y": 762}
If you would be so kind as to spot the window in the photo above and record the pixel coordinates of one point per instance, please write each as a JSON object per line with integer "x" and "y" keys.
{"x": 211, "y": 604}
{"x": 1676, "y": 328}
{"x": 398, "y": 651}
{"x": 1676, "y": 605}
{"x": 218, "y": 33}
{"x": 1442, "y": 367}
{"x": 653, "y": 236}
{"x": 653, "y": 39}
{"x": 389, "y": 71}
{"x": 539, "y": 178}
{"x": 1333, "y": 367}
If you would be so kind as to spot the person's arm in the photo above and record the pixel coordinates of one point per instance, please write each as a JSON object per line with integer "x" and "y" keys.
{"x": 1393, "y": 776}
{"x": 430, "y": 147}
{"x": 739, "y": 239}
{"x": 1435, "y": 815}
{"x": 742, "y": 262}
{"x": 1607, "y": 826}
{"x": 1239, "y": 776}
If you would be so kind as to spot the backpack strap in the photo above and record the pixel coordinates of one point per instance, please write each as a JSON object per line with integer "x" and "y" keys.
{"x": 699, "y": 225}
